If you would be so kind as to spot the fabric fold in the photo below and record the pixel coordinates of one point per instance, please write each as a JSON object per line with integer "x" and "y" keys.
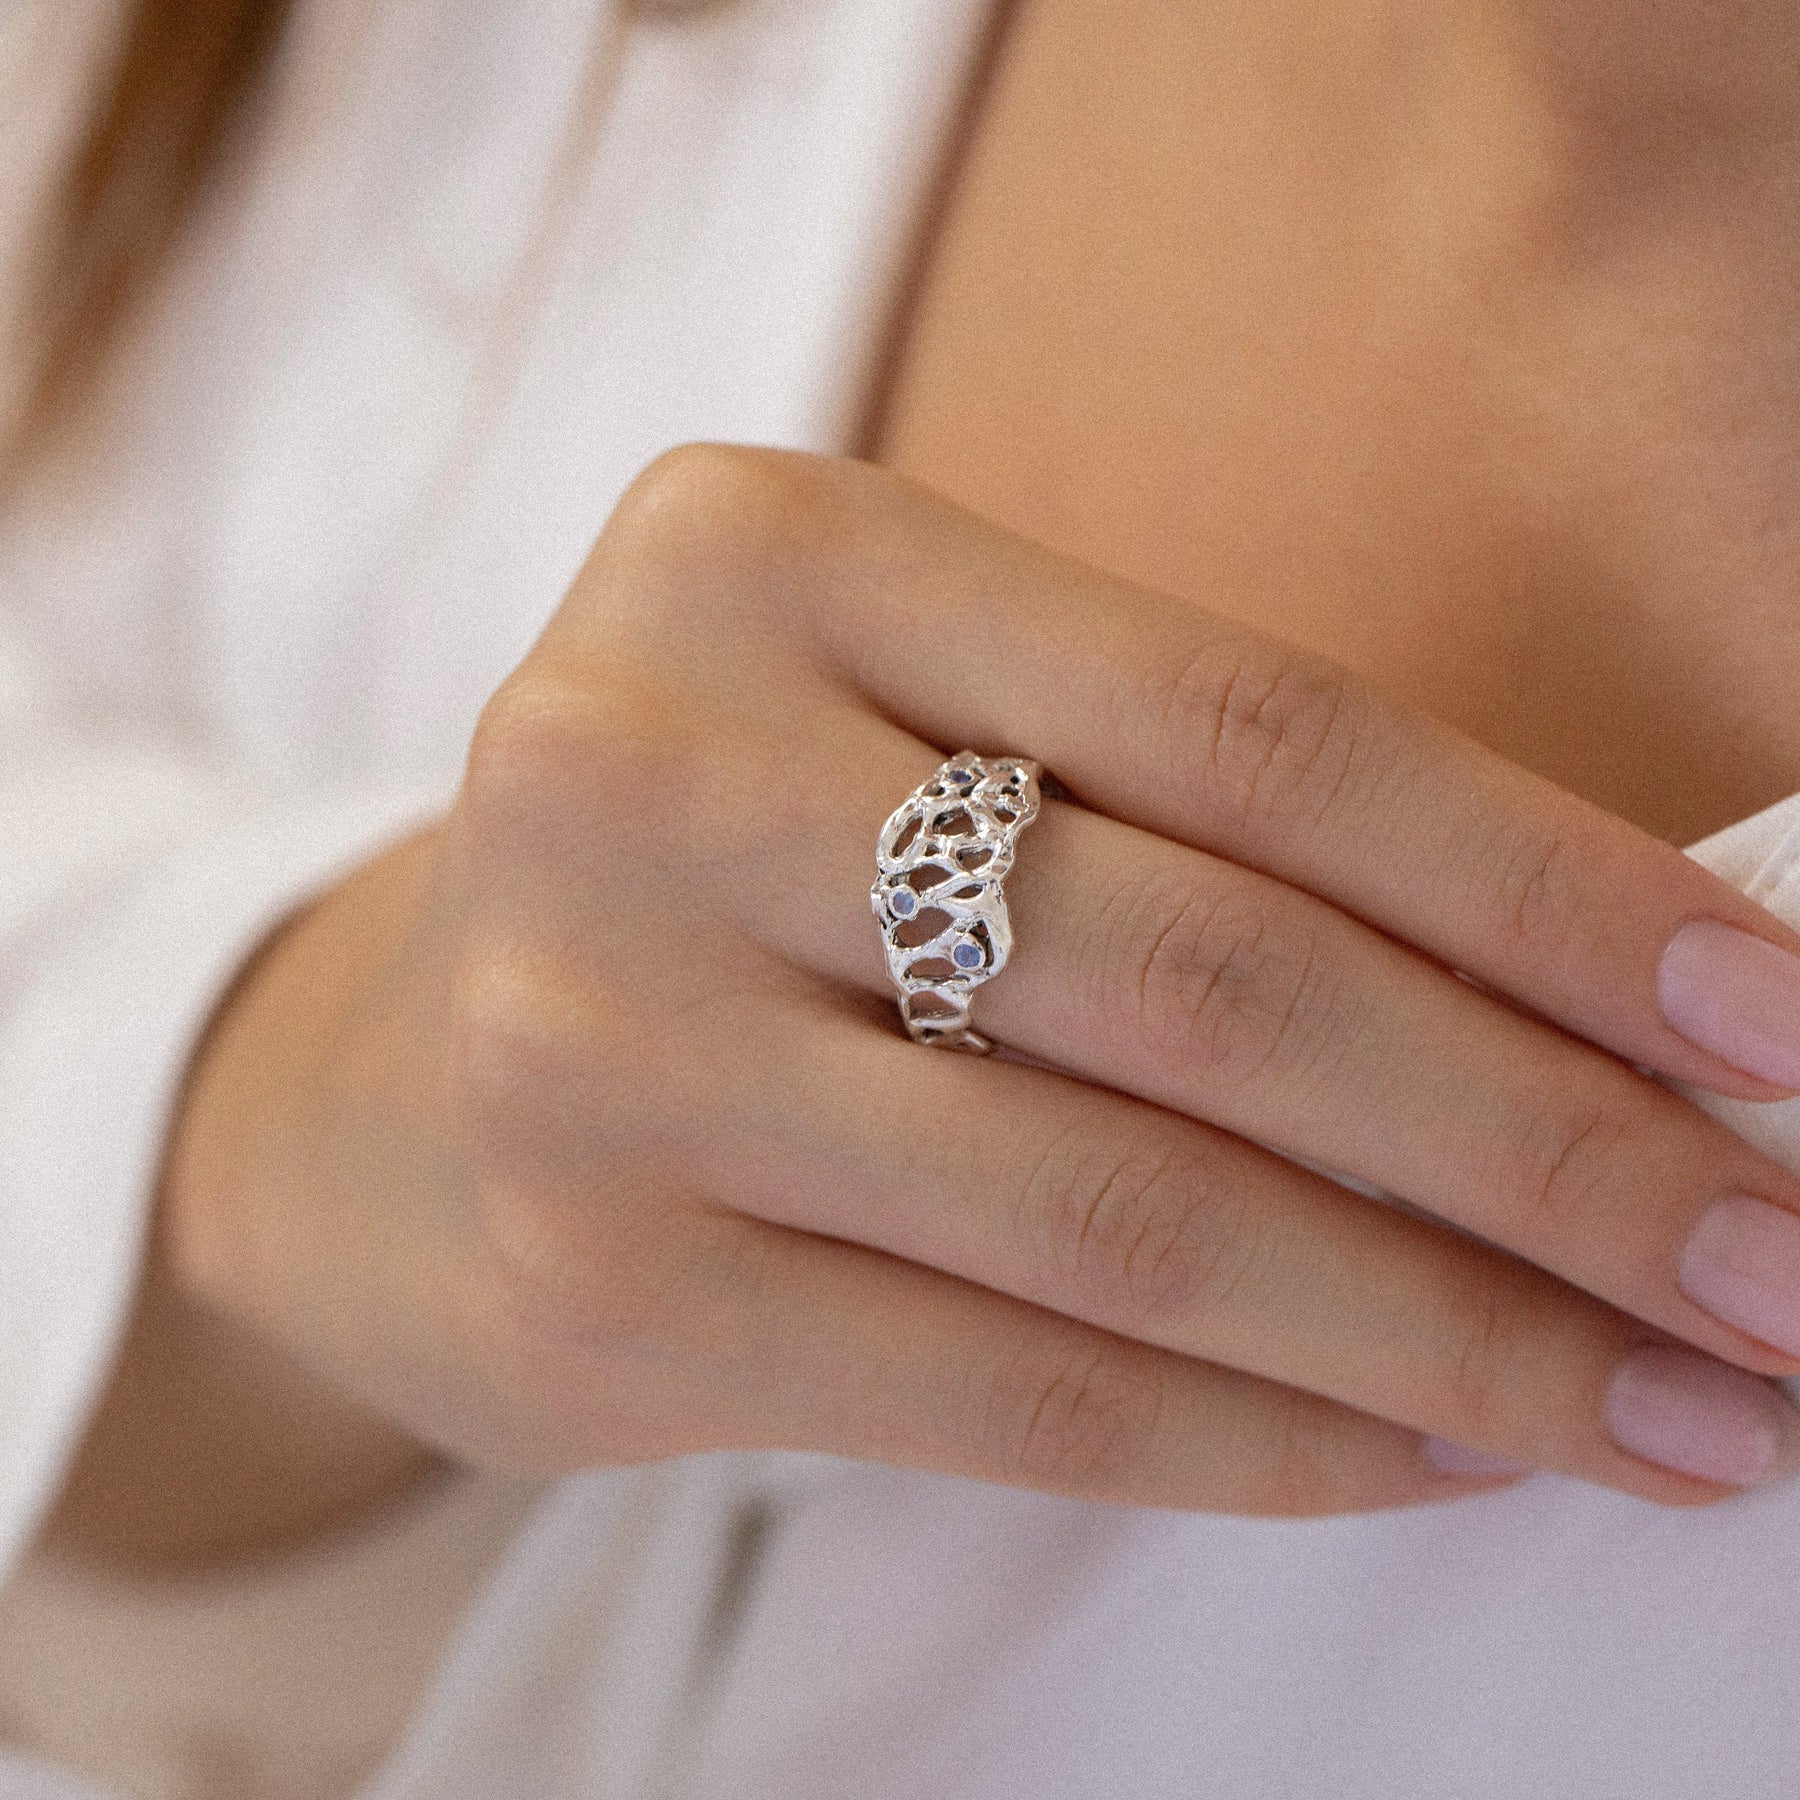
{"x": 126, "y": 967}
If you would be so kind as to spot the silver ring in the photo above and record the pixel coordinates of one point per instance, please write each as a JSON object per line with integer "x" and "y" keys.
{"x": 943, "y": 856}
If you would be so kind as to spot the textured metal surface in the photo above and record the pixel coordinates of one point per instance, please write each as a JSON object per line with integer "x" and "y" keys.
{"x": 943, "y": 857}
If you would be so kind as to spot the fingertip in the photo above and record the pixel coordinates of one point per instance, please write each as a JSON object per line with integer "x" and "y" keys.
{"x": 1692, "y": 1415}
{"x": 1736, "y": 996}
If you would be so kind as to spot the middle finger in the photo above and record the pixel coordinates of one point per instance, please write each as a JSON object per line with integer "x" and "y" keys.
{"x": 1167, "y": 973}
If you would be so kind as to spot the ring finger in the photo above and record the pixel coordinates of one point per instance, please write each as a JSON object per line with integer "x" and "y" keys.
{"x": 1188, "y": 981}
{"x": 1179, "y": 1236}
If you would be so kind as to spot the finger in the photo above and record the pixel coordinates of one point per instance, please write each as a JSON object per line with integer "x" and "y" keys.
{"x": 1174, "y": 1235}
{"x": 799, "y": 1342}
{"x": 1205, "y": 987}
{"x": 640, "y": 1324}
{"x": 1216, "y": 991}
{"x": 1157, "y": 713}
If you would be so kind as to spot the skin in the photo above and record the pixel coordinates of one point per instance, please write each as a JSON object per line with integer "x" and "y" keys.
{"x": 1452, "y": 344}
{"x": 1458, "y": 343}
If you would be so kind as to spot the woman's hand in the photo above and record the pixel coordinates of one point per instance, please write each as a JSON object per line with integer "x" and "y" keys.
{"x": 617, "y": 1150}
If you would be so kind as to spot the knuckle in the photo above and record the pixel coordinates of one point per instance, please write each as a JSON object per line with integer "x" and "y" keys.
{"x": 1297, "y": 1473}
{"x": 575, "y": 1280}
{"x": 537, "y": 736}
{"x": 1228, "y": 989}
{"x": 550, "y": 753}
{"x": 1562, "y": 1162}
{"x": 691, "y": 494}
{"x": 1274, "y": 736}
{"x": 1536, "y": 893}
{"x": 559, "y": 1347}
{"x": 539, "y": 1279}
{"x": 1479, "y": 1359}
{"x": 524, "y": 1313}
{"x": 1085, "y": 1425}
{"x": 510, "y": 1061}
{"x": 1146, "y": 1235}
{"x": 711, "y": 512}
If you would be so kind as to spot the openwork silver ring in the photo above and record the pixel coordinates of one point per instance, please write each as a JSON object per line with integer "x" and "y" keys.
{"x": 943, "y": 856}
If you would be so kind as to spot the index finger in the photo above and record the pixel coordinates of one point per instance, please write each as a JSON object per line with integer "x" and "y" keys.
{"x": 1169, "y": 718}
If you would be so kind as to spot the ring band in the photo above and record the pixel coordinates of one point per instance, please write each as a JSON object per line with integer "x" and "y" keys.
{"x": 942, "y": 857}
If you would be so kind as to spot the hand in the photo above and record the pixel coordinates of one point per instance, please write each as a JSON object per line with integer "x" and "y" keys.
{"x": 617, "y": 1151}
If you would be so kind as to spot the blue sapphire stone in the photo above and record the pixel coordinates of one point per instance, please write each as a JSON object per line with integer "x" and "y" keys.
{"x": 961, "y": 776}
{"x": 966, "y": 956}
{"x": 904, "y": 902}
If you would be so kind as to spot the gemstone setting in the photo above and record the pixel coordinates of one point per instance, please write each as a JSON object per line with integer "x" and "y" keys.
{"x": 941, "y": 863}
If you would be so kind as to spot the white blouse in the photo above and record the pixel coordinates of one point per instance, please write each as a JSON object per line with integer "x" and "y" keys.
{"x": 480, "y": 263}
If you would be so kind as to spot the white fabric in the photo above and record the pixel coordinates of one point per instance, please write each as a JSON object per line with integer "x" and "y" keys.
{"x": 364, "y": 448}
{"x": 478, "y": 265}
{"x": 484, "y": 262}
{"x": 292, "y": 1680}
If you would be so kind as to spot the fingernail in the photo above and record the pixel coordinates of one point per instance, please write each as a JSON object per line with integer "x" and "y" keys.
{"x": 1742, "y": 1264}
{"x": 1735, "y": 995}
{"x": 1448, "y": 1457}
{"x": 1687, "y": 1412}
